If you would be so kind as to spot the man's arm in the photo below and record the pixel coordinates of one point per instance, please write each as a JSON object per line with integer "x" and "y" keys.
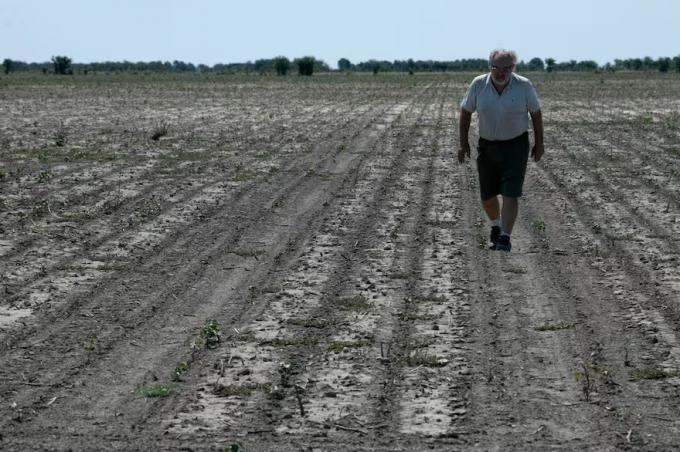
{"x": 463, "y": 130}
{"x": 537, "y": 121}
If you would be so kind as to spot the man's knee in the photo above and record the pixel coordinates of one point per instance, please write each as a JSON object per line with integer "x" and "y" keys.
{"x": 489, "y": 202}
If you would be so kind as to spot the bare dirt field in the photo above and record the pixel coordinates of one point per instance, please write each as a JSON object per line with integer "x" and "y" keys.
{"x": 259, "y": 263}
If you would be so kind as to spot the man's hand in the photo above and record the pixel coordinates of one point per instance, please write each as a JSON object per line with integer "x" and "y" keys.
{"x": 463, "y": 129}
{"x": 537, "y": 151}
{"x": 463, "y": 151}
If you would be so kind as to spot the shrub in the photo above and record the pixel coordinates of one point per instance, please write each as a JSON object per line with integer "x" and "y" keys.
{"x": 281, "y": 65}
{"x": 305, "y": 65}
{"x": 344, "y": 64}
{"x": 62, "y": 65}
{"x": 8, "y": 65}
{"x": 550, "y": 64}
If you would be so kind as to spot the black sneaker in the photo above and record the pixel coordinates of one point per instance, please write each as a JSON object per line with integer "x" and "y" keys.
{"x": 503, "y": 243}
{"x": 495, "y": 234}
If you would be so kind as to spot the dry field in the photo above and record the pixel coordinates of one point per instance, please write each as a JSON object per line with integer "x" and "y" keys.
{"x": 200, "y": 262}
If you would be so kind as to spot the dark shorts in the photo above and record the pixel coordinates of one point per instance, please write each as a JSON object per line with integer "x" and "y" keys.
{"x": 501, "y": 166}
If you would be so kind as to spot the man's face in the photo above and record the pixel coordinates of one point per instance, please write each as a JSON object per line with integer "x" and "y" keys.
{"x": 501, "y": 68}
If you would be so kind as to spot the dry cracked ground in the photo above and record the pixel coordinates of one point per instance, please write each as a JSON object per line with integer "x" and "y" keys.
{"x": 254, "y": 263}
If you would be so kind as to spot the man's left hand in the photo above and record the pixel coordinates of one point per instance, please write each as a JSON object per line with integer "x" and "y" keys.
{"x": 537, "y": 152}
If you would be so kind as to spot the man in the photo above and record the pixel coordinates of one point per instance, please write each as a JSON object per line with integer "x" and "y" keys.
{"x": 502, "y": 100}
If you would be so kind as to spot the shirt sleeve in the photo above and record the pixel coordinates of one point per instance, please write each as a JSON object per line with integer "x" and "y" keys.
{"x": 469, "y": 102}
{"x": 533, "y": 104}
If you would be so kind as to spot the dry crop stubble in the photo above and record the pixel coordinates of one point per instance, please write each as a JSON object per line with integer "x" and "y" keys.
{"x": 326, "y": 227}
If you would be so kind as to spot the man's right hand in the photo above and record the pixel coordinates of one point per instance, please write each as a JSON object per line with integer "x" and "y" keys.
{"x": 463, "y": 151}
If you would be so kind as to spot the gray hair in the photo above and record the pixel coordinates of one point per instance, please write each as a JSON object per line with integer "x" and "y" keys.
{"x": 503, "y": 53}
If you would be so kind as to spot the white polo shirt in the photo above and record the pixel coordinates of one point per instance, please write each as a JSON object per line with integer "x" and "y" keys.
{"x": 504, "y": 116}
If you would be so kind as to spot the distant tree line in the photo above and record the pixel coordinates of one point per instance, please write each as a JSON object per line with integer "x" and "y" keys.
{"x": 308, "y": 65}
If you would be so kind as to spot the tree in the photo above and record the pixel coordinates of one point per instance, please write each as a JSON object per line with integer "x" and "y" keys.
{"x": 181, "y": 66}
{"x": 321, "y": 66}
{"x": 281, "y": 65}
{"x": 536, "y": 64}
{"x": 648, "y": 63}
{"x": 305, "y": 65}
{"x": 550, "y": 64}
{"x": 664, "y": 64}
{"x": 586, "y": 65}
{"x": 344, "y": 64}
{"x": 62, "y": 65}
{"x": 8, "y": 65}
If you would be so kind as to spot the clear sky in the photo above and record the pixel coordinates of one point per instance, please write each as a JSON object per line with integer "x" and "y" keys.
{"x": 227, "y": 31}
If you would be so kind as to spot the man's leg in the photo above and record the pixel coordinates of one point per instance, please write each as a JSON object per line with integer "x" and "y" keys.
{"x": 493, "y": 212}
{"x": 492, "y": 208}
{"x": 509, "y": 213}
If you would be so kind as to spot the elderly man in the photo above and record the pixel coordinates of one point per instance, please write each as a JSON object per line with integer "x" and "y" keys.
{"x": 502, "y": 100}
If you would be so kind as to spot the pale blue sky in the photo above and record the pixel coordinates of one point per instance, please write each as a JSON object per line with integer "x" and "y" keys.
{"x": 212, "y": 31}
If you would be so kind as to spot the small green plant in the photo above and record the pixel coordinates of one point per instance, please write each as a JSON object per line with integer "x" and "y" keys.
{"x": 338, "y": 346}
{"x": 243, "y": 175}
{"x": 45, "y": 175}
{"x": 585, "y": 380}
{"x": 159, "y": 130}
{"x": 673, "y": 120}
{"x": 91, "y": 343}
{"x": 248, "y": 252}
{"x": 423, "y": 359}
{"x": 181, "y": 369}
{"x": 591, "y": 374}
{"x": 61, "y": 136}
{"x": 355, "y": 303}
{"x": 399, "y": 275}
{"x": 288, "y": 342}
{"x": 156, "y": 390}
{"x": 211, "y": 333}
{"x": 653, "y": 373}
{"x": 538, "y": 226}
{"x": 516, "y": 269}
{"x": 555, "y": 326}
{"x": 647, "y": 119}
{"x": 235, "y": 390}
{"x": 278, "y": 392}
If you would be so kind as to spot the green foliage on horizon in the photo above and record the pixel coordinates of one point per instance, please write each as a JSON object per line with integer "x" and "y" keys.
{"x": 281, "y": 65}
{"x": 305, "y": 65}
{"x": 344, "y": 64}
{"x": 62, "y": 65}
{"x": 8, "y": 65}
{"x": 277, "y": 65}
